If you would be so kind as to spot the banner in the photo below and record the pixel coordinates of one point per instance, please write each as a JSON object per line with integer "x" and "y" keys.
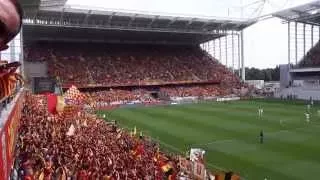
{"x": 11, "y": 129}
{"x": 3, "y": 156}
{"x": 52, "y": 103}
{"x": 8, "y": 136}
{"x": 228, "y": 99}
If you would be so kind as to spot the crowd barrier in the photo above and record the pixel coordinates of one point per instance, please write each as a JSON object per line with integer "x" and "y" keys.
{"x": 66, "y": 85}
{"x": 8, "y": 134}
{"x": 174, "y": 100}
{"x": 111, "y": 106}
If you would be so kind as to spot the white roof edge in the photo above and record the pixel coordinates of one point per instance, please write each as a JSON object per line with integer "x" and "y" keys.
{"x": 289, "y": 11}
{"x": 106, "y": 11}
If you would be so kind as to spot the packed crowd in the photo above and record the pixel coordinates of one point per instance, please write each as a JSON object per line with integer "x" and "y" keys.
{"x": 77, "y": 145}
{"x": 119, "y": 96}
{"x": 198, "y": 91}
{"x": 312, "y": 58}
{"x": 84, "y": 64}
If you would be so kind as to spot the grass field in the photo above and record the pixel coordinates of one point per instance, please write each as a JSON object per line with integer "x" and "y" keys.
{"x": 229, "y": 132}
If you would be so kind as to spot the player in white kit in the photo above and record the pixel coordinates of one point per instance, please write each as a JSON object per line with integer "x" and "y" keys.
{"x": 281, "y": 122}
{"x": 308, "y": 107}
{"x": 260, "y": 112}
{"x": 307, "y": 117}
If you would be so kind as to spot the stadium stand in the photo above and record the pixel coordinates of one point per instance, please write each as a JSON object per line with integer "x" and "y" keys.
{"x": 42, "y": 150}
{"x": 198, "y": 91}
{"x": 117, "y": 96}
{"x": 312, "y": 58}
{"x": 80, "y": 146}
{"x": 113, "y": 65}
{"x": 112, "y": 97}
{"x": 155, "y": 56}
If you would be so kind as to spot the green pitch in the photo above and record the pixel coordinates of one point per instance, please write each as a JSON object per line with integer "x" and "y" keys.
{"x": 229, "y": 133}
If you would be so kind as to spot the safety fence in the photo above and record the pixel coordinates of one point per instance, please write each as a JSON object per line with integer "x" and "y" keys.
{"x": 8, "y": 133}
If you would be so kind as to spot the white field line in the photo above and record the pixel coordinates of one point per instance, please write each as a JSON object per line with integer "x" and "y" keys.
{"x": 271, "y": 133}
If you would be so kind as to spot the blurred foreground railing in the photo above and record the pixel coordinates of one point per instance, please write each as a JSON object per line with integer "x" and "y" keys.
{"x": 10, "y": 120}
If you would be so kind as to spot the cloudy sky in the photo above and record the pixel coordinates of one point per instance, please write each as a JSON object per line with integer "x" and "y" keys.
{"x": 265, "y": 42}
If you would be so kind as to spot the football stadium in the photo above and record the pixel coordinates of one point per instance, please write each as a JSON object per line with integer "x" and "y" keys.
{"x": 97, "y": 93}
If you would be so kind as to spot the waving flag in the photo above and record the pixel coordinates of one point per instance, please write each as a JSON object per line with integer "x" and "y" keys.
{"x": 73, "y": 96}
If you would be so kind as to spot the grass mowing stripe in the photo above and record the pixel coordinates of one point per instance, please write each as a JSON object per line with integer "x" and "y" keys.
{"x": 173, "y": 112}
{"x": 281, "y": 145}
{"x": 210, "y": 126}
{"x": 179, "y": 124}
{"x": 267, "y": 119}
{"x": 286, "y": 154}
{"x": 246, "y": 168}
{"x": 157, "y": 127}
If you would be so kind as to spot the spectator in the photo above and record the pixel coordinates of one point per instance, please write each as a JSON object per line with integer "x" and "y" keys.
{"x": 94, "y": 151}
{"x": 114, "y": 65}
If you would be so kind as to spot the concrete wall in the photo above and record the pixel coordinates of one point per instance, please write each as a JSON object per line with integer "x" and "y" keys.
{"x": 300, "y": 93}
{"x": 285, "y": 76}
{"x": 35, "y": 69}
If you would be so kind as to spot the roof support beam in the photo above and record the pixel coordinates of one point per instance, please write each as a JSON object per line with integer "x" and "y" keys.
{"x": 172, "y": 21}
{"x": 61, "y": 16}
{"x": 206, "y": 24}
{"x": 85, "y": 20}
{"x": 237, "y": 27}
{"x": 110, "y": 17}
{"x": 153, "y": 20}
{"x": 35, "y": 15}
{"x": 132, "y": 19}
{"x": 222, "y": 25}
{"x": 305, "y": 18}
{"x": 190, "y": 22}
{"x": 300, "y": 12}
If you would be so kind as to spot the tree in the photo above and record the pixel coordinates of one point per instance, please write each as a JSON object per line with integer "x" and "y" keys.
{"x": 269, "y": 74}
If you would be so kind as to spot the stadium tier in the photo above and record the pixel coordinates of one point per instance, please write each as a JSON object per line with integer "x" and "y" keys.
{"x": 198, "y": 91}
{"x": 312, "y": 58}
{"x": 117, "y": 96}
{"x": 83, "y": 147}
{"x": 103, "y": 98}
{"x": 128, "y": 65}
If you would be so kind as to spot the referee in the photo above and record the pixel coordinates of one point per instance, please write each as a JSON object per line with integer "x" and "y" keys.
{"x": 261, "y": 137}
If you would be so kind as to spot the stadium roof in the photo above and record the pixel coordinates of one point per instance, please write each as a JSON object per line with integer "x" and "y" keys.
{"x": 85, "y": 23}
{"x": 308, "y": 13}
{"x": 31, "y": 7}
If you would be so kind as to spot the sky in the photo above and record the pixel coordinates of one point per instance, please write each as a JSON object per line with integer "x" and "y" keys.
{"x": 265, "y": 43}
